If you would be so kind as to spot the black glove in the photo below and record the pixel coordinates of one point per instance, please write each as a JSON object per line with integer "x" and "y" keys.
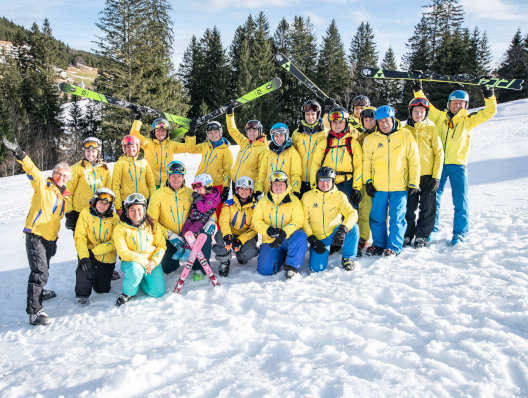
{"x": 228, "y": 240}
{"x": 433, "y": 184}
{"x": 85, "y": 264}
{"x": 316, "y": 244}
{"x": 413, "y": 191}
{"x": 329, "y": 104}
{"x": 136, "y": 113}
{"x": 70, "y": 220}
{"x": 298, "y": 194}
{"x": 237, "y": 245}
{"x": 14, "y": 148}
{"x": 339, "y": 236}
{"x": 417, "y": 85}
{"x": 278, "y": 240}
{"x": 256, "y": 194}
{"x": 273, "y": 232}
{"x": 371, "y": 191}
{"x": 192, "y": 129}
{"x": 229, "y": 107}
{"x": 196, "y": 197}
{"x": 487, "y": 91}
{"x": 225, "y": 194}
{"x": 356, "y": 197}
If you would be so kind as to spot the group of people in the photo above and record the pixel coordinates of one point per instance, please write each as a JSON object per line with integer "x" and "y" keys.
{"x": 336, "y": 180}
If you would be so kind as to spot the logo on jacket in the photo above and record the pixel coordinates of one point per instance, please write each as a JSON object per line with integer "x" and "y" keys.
{"x": 315, "y": 205}
{"x": 380, "y": 145}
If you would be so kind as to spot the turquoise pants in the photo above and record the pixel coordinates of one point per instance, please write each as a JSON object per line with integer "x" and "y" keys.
{"x": 152, "y": 284}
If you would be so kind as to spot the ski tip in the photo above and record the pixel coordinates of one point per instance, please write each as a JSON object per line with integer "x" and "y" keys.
{"x": 278, "y": 82}
{"x": 280, "y": 58}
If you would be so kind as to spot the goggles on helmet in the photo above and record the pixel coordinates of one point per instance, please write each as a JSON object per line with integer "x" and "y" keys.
{"x": 278, "y": 176}
{"x": 135, "y": 198}
{"x": 419, "y": 102}
{"x": 360, "y": 102}
{"x": 337, "y": 116}
{"x": 91, "y": 144}
{"x": 279, "y": 130}
{"x": 253, "y": 124}
{"x": 213, "y": 127}
{"x": 130, "y": 140}
{"x": 367, "y": 113}
{"x": 175, "y": 168}
{"x": 244, "y": 182}
{"x": 106, "y": 196}
{"x": 160, "y": 125}
{"x": 311, "y": 107}
{"x": 197, "y": 185}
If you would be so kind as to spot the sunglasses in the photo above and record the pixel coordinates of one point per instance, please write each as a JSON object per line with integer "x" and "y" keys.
{"x": 91, "y": 144}
{"x": 61, "y": 175}
{"x": 106, "y": 196}
{"x": 337, "y": 116}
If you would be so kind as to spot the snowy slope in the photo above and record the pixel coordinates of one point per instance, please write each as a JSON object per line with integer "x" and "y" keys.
{"x": 443, "y": 321}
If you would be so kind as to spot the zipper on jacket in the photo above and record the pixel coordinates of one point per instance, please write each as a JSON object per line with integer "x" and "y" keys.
{"x": 242, "y": 160}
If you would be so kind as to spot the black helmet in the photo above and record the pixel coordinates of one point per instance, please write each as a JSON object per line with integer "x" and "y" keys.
{"x": 311, "y": 105}
{"x": 360, "y": 100}
{"x": 326, "y": 172}
{"x": 214, "y": 125}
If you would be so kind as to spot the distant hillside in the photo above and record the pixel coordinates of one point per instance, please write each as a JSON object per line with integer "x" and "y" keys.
{"x": 65, "y": 55}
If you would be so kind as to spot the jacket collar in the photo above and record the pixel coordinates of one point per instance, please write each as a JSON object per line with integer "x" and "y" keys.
{"x": 279, "y": 149}
{"x": 305, "y": 128}
{"x": 397, "y": 127}
{"x": 249, "y": 203}
{"x": 219, "y": 143}
{"x": 280, "y": 199}
{"x": 329, "y": 192}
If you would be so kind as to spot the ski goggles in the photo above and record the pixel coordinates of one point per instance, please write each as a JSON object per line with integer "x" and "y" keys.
{"x": 359, "y": 102}
{"x": 311, "y": 107}
{"x": 419, "y": 102}
{"x": 197, "y": 185}
{"x": 325, "y": 179}
{"x": 369, "y": 113}
{"x": 160, "y": 125}
{"x": 278, "y": 176}
{"x": 91, "y": 145}
{"x": 337, "y": 116}
{"x": 176, "y": 168}
{"x": 244, "y": 182}
{"x": 130, "y": 140}
{"x": 280, "y": 130}
{"x": 253, "y": 124}
{"x": 106, "y": 196}
{"x": 213, "y": 127}
{"x": 135, "y": 198}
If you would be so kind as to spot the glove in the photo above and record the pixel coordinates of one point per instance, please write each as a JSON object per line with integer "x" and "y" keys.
{"x": 329, "y": 104}
{"x": 273, "y": 232}
{"x": 192, "y": 128}
{"x": 225, "y": 194}
{"x": 85, "y": 264}
{"x": 229, "y": 107}
{"x": 487, "y": 91}
{"x": 278, "y": 240}
{"x": 14, "y": 148}
{"x": 237, "y": 245}
{"x": 433, "y": 184}
{"x": 197, "y": 197}
{"x": 371, "y": 191}
{"x": 70, "y": 221}
{"x": 256, "y": 195}
{"x": 417, "y": 85}
{"x": 176, "y": 240}
{"x": 339, "y": 236}
{"x": 298, "y": 194}
{"x": 413, "y": 191}
{"x": 210, "y": 227}
{"x": 316, "y": 244}
{"x": 356, "y": 197}
{"x": 136, "y": 113}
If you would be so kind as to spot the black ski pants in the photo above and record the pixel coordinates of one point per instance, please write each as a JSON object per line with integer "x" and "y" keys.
{"x": 426, "y": 200}
{"x": 98, "y": 278}
{"x": 39, "y": 253}
{"x": 248, "y": 250}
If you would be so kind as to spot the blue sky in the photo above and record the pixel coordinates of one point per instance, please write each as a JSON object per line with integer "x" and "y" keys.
{"x": 73, "y": 21}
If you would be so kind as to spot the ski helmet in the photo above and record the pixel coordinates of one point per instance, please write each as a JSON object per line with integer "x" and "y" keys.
{"x": 160, "y": 123}
{"x": 279, "y": 176}
{"x": 311, "y": 105}
{"x": 203, "y": 180}
{"x": 254, "y": 124}
{"x": 244, "y": 182}
{"x": 175, "y": 167}
{"x": 135, "y": 199}
{"x": 326, "y": 172}
{"x": 129, "y": 140}
{"x": 360, "y": 100}
{"x": 419, "y": 102}
{"x": 105, "y": 194}
{"x": 338, "y": 113}
{"x": 279, "y": 128}
{"x": 211, "y": 126}
{"x": 92, "y": 143}
{"x": 458, "y": 95}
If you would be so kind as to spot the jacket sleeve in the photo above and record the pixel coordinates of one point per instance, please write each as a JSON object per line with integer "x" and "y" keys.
{"x": 227, "y": 164}
{"x": 317, "y": 160}
{"x": 161, "y": 245}
{"x": 80, "y": 237}
{"x": 326, "y": 123}
{"x": 367, "y": 161}
{"x": 261, "y": 155}
{"x": 198, "y": 148}
{"x": 224, "y": 220}
{"x": 151, "y": 183}
{"x": 358, "y": 165}
{"x": 295, "y": 168}
{"x": 297, "y": 220}
{"x": 438, "y": 153}
{"x": 435, "y": 115}
{"x": 413, "y": 161}
{"x": 108, "y": 178}
{"x": 135, "y": 131}
{"x": 306, "y": 225}
{"x": 71, "y": 186}
{"x": 116, "y": 184}
{"x": 490, "y": 110}
{"x": 38, "y": 181}
{"x": 259, "y": 186}
{"x": 351, "y": 214}
{"x": 233, "y": 131}
{"x": 124, "y": 252}
{"x": 182, "y": 147}
{"x": 258, "y": 220}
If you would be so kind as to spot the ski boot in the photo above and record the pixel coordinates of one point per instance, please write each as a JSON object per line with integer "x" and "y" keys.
{"x": 185, "y": 256}
{"x": 290, "y": 271}
{"x": 223, "y": 269}
{"x": 115, "y": 276}
{"x": 198, "y": 275}
{"x": 40, "y": 318}
{"x": 361, "y": 245}
{"x": 457, "y": 238}
{"x": 47, "y": 294}
{"x": 390, "y": 253}
{"x": 83, "y": 301}
{"x": 432, "y": 236}
{"x": 419, "y": 243}
{"x": 406, "y": 241}
{"x": 123, "y": 299}
{"x": 347, "y": 264}
{"x": 374, "y": 251}
{"x": 180, "y": 251}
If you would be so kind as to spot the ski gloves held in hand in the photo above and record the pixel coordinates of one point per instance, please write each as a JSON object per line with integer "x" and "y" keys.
{"x": 487, "y": 91}
{"x": 433, "y": 184}
{"x": 229, "y": 108}
{"x": 339, "y": 239}
{"x": 225, "y": 194}
{"x": 278, "y": 234}
{"x": 136, "y": 113}
{"x": 85, "y": 264}
{"x": 192, "y": 129}
{"x": 232, "y": 243}
{"x": 14, "y": 148}
{"x": 316, "y": 244}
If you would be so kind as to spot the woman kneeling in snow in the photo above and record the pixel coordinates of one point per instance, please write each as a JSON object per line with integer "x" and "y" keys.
{"x": 140, "y": 243}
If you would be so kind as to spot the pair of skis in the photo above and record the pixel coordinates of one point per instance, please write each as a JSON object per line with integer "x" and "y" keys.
{"x": 272, "y": 85}
{"x": 196, "y": 245}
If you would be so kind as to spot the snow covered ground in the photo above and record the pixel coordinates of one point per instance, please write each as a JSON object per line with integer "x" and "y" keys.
{"x": 443, "y": 321}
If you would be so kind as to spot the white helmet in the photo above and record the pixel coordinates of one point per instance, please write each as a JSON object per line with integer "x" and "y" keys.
{"x": 245, "y": 182}
{"x": 204, "y": 180}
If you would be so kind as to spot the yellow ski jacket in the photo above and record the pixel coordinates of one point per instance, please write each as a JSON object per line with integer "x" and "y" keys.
{"x": 86, "y": 180}
{"x": 170, "y": 209}
{"x": 305, "y": 140}
{"x": 236, "y": 219}
{"x": 132, "y": 175}
{"x": 217, "y": 161}
{"x": 140, "y": 244}
{"x": 430, "y": 148}
{"x": 288, "y": 161}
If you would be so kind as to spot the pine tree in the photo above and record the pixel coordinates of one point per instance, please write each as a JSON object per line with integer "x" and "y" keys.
{"x": 514, "y": 66}
{"x": 333, "y": 75}
{"x": 189, "y": 73}
{"x": 362, "y": 54}
{"x": 75, "y": 130}
{"x": 390, "y": 90}
{"x": 485, "y": 57}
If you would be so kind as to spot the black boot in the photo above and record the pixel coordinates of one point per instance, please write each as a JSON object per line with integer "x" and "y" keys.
{"x": 123, "y": 299}
{"x": 374, "y": 251}
{"x": 223, "y": 269}
{"x": 47, "y": 294}
{"x": 40, "y": 318}
{"x": 348, "y": 264}
{"x": 290, "y": 271}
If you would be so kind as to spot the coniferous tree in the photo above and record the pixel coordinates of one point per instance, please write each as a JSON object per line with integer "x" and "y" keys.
{"x": 390, "y": 92}
{"x": 362, "y": 54}
{"x": 514, "y": 66}
{"x": 189, "y": 73}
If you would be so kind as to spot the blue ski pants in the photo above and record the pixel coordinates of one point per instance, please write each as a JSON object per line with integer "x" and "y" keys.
{"x": 152, "y": 284}
{"x": 396, "y": 202}
{"x": 346, "y": 188}
{"x": 293, "y": 249}
{"x": 319, "y": 262}
{"x": 459, "y": 187}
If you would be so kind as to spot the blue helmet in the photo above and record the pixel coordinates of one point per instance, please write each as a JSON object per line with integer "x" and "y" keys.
{"x": 279, "y": 128}
{"x": 383, "y": 112}
{"x": 458, "y": 95}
